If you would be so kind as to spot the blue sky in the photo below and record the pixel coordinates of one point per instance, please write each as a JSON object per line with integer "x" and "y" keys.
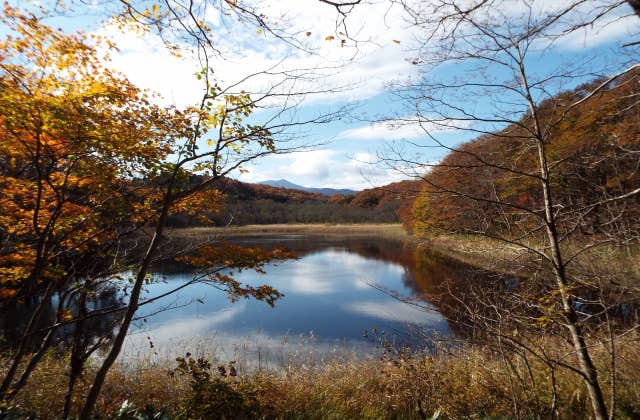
{"x": 347, "y": 156}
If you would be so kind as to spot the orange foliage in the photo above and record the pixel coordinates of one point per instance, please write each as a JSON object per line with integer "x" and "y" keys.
{"x": 593, "y": 156}
{"x": 71, "y": 133}
{"x": 211, "y": 258}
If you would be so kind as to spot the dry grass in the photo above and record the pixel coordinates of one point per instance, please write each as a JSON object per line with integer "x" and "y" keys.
{"x": 382, "y": 230}
{"x": 482, "y": 252}
{"x": 468, "y": 382}
{"x": 498, "y": 256}
{"x": 143, "y": 384}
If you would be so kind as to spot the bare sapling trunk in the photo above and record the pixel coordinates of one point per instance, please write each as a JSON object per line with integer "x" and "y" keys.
{"x": 572, "y": 323}
{"x": 132, "y": 307}
{"x": 45, "y": 343}
{"x": 21, "y": 350}
{"x": 76, "y": 363}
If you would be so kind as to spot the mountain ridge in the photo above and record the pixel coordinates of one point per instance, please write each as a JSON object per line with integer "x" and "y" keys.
{"x": 283, "y": 183}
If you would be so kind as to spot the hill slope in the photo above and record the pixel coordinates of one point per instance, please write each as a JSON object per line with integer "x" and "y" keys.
{"x": 283, "y": 183}
{"x": 265, "y": 204}
{"x": 593, "y": 150}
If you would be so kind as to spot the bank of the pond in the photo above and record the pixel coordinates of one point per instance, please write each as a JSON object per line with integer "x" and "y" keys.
{"x": 476, "y": 251}
{"x": 470, "y": 382}
{"x": 382, "y": 230}
{"x": 481, "y": 252}
{"x": 498, "y": 256}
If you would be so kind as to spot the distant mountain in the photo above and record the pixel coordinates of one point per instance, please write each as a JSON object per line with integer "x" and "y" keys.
{"x": 244, "y": 191}
{"x": 283, "y": 183}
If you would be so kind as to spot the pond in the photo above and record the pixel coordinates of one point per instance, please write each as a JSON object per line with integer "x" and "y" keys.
{"x": 342, "y": 296}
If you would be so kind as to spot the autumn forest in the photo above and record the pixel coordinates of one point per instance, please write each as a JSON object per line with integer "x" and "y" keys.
{"x": 488, "y": 265}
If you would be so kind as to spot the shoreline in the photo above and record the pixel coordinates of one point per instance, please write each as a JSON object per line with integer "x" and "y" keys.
{"x": 382, "y": 230}
{"x": 480, "y": 252}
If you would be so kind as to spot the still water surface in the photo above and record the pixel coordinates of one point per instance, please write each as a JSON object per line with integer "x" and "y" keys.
{"x": 336, "y": 291}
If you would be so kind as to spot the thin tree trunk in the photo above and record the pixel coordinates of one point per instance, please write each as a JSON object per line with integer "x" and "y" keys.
{"x": 22, "y": 345}
{"x": 35, "y": 359}
{"x": 572, "y": 323}
{"x": 68, "y": 398}
{"x": 77, "y": 360}
{"x": 514, "y": 398}
{"x": 118, "y": 341}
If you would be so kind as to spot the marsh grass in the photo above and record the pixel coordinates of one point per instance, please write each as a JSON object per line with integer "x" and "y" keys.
{"x": 491, "y": 254}
{"x": 461, "y": 382}
{"x": 381, "y": 230}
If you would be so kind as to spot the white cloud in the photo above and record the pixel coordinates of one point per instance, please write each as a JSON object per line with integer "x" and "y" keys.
{"x": 145, "y": 61}
{"x": 601, "y": 21}
{"x": 163, "y": 335}
{"x": 387, "y": 130}
{"x": 324, "y": 168}
{"x": 396, "y": 311}
{"x": 610, "y": 30}
{"x": 401, "y": 129}
{"x": 197, "y": 326}
{"x": 613, "y": 23}
{"x": 365, "y": 70}
{"x": 304, "y": 280}
{"x": 254, "y": 349}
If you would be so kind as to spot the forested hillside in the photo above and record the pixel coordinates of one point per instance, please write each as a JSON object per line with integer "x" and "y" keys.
{"x": 263, "y": 204}
{"x": 489, "y": 185}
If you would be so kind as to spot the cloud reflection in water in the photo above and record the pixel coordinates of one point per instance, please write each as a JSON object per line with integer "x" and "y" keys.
{"x": 328, "y": 296}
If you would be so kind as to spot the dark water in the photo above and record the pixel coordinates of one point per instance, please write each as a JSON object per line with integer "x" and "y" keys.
{"x": 340, "y": 296}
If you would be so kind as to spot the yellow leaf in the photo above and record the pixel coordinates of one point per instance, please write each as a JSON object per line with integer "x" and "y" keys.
{"x": 330, "y": 38}
{"x": 259, "y": 31}
{"x": 396, "y": 41}
{"x": 66, "y": 314}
